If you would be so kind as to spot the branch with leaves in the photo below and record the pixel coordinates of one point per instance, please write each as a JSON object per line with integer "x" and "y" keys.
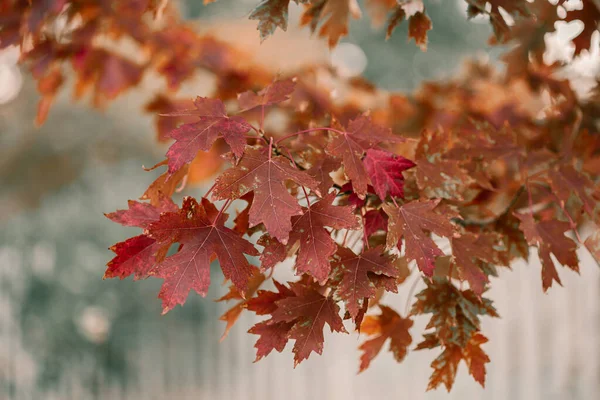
{"x": 458, "y": 178}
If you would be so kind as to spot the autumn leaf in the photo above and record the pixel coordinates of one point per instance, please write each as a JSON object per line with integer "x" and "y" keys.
{"x": 385, "y": 171}
{"x": 418, "y": 21}
{"x": 274, "y": 93}
{"x": 445, "y": 367}
{"x": 566, "y": 181}
{"x": 300, "y": 314}
{"x": 418, "y": 25}
{"x": 356, "y": 271}
{"x": 201, "y": 235}
{"x": 165, "y": 185}
{"x": 274, "y": 252}
{"x": 142, "y": 214}
{"x": 351, "y": 144}
{"x": 137, "y": 255}
{"x": 270, "y": 15}
{"x": 374, "y": 221}
{"x": 387, "y": 325}
{"x": 411, "y": 221}
{"x": 265, "y": 175}
{"x": 456, "y": 328}
{"x": 213, "y": 124}
{"x": 455, "y": 313}
{"x": 549, "y": 237}
{"x": 231, "y": 316}
{"x": 436, "y": 175}
{"x": 310, "y": 311}
{"x": 465, "y": 249}
{"x": 592, "y": 243}
{"x": 333, "y": 17}
{"x": 476, "y": 358}
{"x": 316, "y": 244}
{"x": 321, "y": 172}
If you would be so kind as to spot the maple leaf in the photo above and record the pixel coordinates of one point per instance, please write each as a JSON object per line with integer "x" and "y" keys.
{"x": 231, "y": 316}
{"x": 356, "y": 271}
{"x": 265, "y": 301}
{"x": 242, "y": 219}
{"x": 465, "y": 249}
{"x": 213, "y": 124}
{"x": 270, "y": 15}
{"x": 274, "y": 252}
{"x": 437, "y": 176}
{"x": 107, "y": 73}
{"x": 455, "y": 312}
{"x": 164, "y": 186}
{"x": 418, "y": 22}
{"x": 274, "y": 93}
{"x": 456, "y": 325}
{"x": 387, "y": 325}
{"x": 333, "y": 16}
{"x": 142, "y": 214}
{"x": 310, "y": 311}
{"x": 374, "y": 221}
{"x": 321, "y": 172}
{"x": 201, "y": 236}
{"x": 418, "y": 25}
{"x": 476, "y": 358}
{"x": 411, "y": 221}
{"x": 445, "y": 367}
{"x": 316, "y": 244}
{"x": 567, "y": 181}
{"x": 360, "y": 135}
{"x": 137, "y": 255}
{"x": 300, "y": 314}
{"x": 273, "y": 336}
{"x": 273, "y": 205}
{"x": 592, "y": 243}
{"x": 549, "y": 237}
{"x": 385, "y": 170}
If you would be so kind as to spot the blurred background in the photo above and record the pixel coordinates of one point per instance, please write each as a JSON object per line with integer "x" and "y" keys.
{"x": 67, "y": 334}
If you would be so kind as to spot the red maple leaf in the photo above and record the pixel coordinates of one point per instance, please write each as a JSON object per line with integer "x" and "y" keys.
{"x": 201, "y": 235}
{"x": 231, "y": 316}
{"x": 549, "y": 237}
{"x": 356, "y": 272}
{"x": 465, "y": 249}
{"x": 142, "y": 214}
{"x": 350, "y": 144}
{"x": 273, "y": 205}
{"x": 213, "y": 124}
{"x": 274, "y": 93}
{"x": 566, "y": 181}
{"x": 411, "y": 221}
{"x": 387, "y": 325}
{"x": 385, "y": 170}
{"x": 374, "y": 221}
{"x": 316, "y": 244}
{"x": 310, "y": 311}
{"x": 300, "y": 314}
{"x": 137, "y": 255}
